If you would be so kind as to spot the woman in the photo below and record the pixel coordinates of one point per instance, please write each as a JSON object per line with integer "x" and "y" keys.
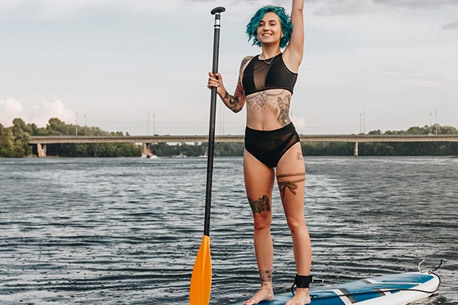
{"x": 265, "y": 84}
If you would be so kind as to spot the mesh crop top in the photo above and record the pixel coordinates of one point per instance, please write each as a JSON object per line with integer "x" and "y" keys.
{"x": 259, "y": 75}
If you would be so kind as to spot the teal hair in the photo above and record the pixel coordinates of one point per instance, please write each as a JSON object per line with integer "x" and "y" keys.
{"x": 286, "y": 25}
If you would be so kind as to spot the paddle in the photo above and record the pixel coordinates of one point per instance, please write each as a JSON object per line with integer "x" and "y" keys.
{"x": 201, "y": 279}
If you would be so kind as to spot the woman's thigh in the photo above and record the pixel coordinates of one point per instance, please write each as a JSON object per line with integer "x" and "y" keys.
{"x": 291, "y": 183}
{"x": 259, "y": 181}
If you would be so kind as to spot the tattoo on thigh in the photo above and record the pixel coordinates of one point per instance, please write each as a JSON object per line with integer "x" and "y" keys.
{"x": 300, "y": 156}
{"x": 290, "y": 185}
{"x": 259, "y": 205}
{"x": 290, "y": 175}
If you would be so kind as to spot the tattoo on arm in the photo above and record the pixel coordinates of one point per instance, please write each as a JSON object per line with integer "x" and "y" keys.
{"x": 244, "y": 62}
{"x": 232, "y": 101}
{"x": 260, "y": 205}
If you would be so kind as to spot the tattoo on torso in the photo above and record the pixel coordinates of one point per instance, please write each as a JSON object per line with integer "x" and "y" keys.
{"x": 283, "y": 116}
{"x": 267, "y": 101}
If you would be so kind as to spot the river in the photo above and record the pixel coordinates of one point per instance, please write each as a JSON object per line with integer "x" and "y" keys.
{"x": 127, "y": 230}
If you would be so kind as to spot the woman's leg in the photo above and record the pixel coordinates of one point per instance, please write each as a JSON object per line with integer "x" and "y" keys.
{"x": 259, "y": 182}
{"x": 291, "y": 183}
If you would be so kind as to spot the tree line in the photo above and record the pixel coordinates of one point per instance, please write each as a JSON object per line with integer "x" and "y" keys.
{"x": 14, "y": 143}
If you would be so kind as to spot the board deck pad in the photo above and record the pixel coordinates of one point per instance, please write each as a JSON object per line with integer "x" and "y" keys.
{"x": 397, "y": 288}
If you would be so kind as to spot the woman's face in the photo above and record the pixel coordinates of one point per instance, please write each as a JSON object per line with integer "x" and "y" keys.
{"x": 269, "y": 29}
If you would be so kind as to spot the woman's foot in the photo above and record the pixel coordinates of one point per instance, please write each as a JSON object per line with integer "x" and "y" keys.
{"x": 300, "y": 298}
{"x": 266, "y": 293}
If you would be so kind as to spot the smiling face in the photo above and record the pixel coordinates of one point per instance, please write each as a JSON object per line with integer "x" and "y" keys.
{"x": 269, "y": 30}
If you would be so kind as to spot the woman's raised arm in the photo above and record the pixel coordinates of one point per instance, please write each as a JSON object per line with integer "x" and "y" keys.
{"x": 295, "y": 49}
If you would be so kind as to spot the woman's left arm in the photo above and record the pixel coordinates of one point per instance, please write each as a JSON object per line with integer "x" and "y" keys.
{"x": 295, "y": 49}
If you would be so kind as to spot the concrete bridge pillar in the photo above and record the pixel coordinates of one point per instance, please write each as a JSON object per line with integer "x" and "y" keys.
{"x": 145, "y": 150}
{"x": 356, "y": 149}
{"x": 41, "y": 150}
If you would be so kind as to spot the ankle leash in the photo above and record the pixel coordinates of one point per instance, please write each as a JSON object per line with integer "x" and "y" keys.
{"x": 302, "y": 281}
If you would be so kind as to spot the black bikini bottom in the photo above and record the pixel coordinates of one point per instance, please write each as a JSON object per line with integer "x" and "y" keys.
{"x": 269, "y": 146}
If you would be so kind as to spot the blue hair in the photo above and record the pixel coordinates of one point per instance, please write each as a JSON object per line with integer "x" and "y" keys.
{"x": 286, "y": 25}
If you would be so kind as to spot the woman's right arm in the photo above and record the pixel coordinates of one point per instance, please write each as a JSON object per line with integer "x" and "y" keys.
{"x": 233, "y": 102}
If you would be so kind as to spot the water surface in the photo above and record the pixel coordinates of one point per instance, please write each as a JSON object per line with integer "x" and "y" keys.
{"x": 126, "y": 230}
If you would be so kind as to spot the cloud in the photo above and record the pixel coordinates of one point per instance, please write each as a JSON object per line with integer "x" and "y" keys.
{"x": 348, "y": 7}
{"x": 9, "y": 110}
{"x": 358, "y": 7}
{"x": 423, "y": 83}
{"x": 421, "y": 4}
{"x": 52, "y": 10}
{"x": 54, "y": 109}
{"x": 450, "y": 25}
{"x": 12, "y": 106}
{"x": 69, "y": 9}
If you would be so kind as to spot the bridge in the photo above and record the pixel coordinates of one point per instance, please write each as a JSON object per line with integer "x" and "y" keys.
{"x": 42, "y": 141}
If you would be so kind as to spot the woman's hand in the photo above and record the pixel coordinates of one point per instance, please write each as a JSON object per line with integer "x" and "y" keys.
{"x": 216, "y": 80}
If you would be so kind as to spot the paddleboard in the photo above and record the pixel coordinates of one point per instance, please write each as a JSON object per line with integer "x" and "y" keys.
{"x": 393, "y": 289}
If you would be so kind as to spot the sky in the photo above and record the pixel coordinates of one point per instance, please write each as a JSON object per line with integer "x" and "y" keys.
{"x": 141, "y": 66}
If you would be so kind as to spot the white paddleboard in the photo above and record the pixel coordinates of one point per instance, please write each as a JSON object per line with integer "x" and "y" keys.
{"x": 393, "y": 289}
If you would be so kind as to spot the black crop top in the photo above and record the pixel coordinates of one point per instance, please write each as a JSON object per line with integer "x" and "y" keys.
{"x": 259, "y": 75}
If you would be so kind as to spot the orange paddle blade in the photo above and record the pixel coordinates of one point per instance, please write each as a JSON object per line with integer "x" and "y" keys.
{"x": 201, "y": 279}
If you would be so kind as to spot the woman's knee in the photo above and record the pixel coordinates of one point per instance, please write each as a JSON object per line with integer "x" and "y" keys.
{"x": 296, "y": 225}
{"x": 262, "y": 222}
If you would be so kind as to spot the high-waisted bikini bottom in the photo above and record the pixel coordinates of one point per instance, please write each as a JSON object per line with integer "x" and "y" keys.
{"x": 269, "y": 146}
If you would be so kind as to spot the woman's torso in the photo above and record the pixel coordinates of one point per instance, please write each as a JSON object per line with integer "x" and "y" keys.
{"x": 268, "y": 86}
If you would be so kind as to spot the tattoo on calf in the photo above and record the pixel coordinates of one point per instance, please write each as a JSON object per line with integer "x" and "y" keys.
{"x": 260, "y": 205}
{"x": 266, "y": 276}
{"x": 290, "y": 185}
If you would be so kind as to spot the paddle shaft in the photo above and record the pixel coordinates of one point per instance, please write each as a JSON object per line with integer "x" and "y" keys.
{"x": 211, "y": 132}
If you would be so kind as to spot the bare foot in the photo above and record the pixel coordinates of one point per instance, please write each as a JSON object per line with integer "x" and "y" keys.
{"x": 300, "y": 298}
{"x": 264, "y": 294}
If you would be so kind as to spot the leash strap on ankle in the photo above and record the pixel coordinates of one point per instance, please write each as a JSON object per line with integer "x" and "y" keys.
{"x": 302, "y": 281}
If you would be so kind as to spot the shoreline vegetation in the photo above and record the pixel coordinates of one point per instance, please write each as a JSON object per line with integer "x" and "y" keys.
{"x": 14, "y": 144}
